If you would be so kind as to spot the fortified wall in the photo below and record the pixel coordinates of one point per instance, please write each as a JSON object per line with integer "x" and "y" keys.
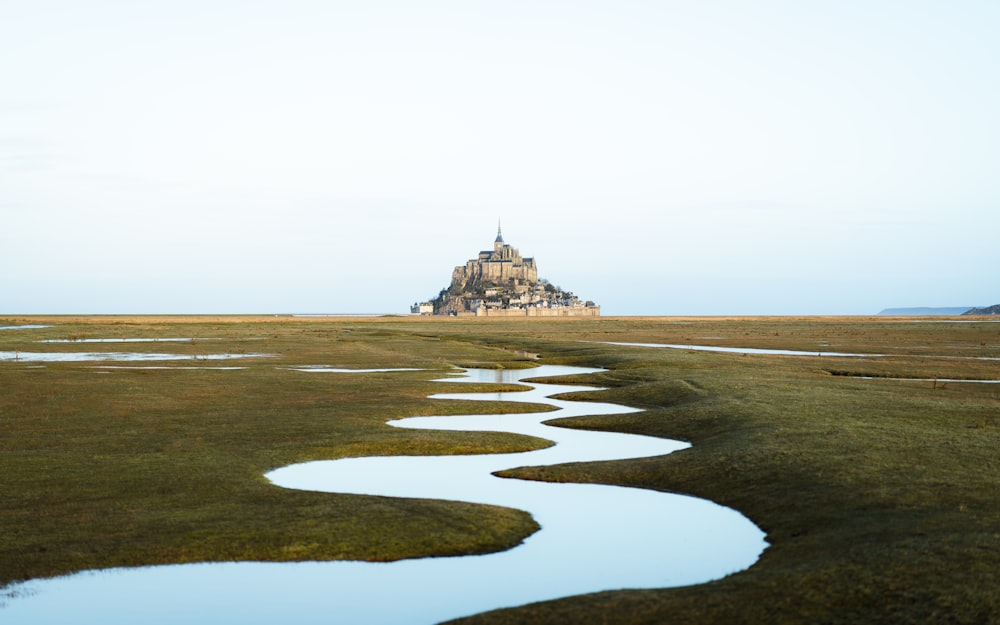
{"x": 535, "y": 311}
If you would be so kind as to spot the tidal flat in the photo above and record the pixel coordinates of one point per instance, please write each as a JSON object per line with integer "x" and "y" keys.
{"x": 876, "y": 484}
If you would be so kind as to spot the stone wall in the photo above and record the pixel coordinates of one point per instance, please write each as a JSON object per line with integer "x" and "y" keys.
{"x": 502, "y": 264}
{"x": 535, "y": 311}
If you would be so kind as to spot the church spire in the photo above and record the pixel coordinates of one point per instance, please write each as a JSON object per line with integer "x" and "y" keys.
{"x": 499, "y": 236}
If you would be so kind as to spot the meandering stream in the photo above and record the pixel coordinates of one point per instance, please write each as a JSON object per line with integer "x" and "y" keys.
{"x": 593, "y": 538}
{"x": 786, "y": 352}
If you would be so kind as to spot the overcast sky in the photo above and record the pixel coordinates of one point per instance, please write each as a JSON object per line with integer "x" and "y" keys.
{"x": 657, "y": 157}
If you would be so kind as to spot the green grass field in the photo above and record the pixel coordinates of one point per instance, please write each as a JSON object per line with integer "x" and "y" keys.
{"x": 880, "y": 496}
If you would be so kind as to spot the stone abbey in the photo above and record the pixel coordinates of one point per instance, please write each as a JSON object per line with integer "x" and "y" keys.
{"x": 501, "y": 283}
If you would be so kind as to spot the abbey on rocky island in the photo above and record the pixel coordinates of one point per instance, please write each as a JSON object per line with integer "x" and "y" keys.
{"x": 500, "y": 283}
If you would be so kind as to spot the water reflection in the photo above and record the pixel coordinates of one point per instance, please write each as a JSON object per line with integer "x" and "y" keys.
{"x": 593, "y": 538}
{"x": 114, "y": 356}
{"x": 747, "y": 350}
{"x": 323, "y": 369}
{"x": 785, "y": 352}
{"x": 935, "y": 380}
{"x": 129, "y": 340}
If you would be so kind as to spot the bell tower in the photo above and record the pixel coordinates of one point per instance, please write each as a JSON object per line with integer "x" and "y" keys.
{"x": 498, "y": 243}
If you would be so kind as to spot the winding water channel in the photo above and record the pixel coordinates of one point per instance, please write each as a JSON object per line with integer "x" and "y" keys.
{"x": 593, "y": 537}
{"x": 786, "y": 352}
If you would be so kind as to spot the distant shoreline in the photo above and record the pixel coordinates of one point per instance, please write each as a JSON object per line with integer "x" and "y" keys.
{"x": 154, "y": 318}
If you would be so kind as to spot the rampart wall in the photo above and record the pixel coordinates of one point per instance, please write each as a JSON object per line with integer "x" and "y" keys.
{"x": 535, "y": 311}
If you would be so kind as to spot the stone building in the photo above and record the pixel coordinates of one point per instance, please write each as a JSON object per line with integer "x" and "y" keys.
{"x": 501, "y": 283}
{"x": 498, "y": 266}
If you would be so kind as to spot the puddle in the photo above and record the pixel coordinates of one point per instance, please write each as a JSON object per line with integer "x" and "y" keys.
{"x": 322, "y": 369}
{"x": 937, "y": 380}
{"x": 593, "y": 537}
{"x": 24, "y": 327}
{"x": 152, "y": 340}
{"x": 749, "y": 350}
{"x": 115, "y": 356}
{"x": 181, "y": 368}
{"x": 788, "y": 352}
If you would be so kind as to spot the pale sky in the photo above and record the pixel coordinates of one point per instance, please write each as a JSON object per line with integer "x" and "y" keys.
{"x": 657, "y": 157}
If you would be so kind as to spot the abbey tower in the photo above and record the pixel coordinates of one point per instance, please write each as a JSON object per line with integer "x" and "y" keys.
{"x": 500, "y": 266}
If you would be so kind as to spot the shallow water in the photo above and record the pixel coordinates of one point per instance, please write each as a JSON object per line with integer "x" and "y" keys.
{"x": 747, "y": 350}
{"x": 592, "y": 538}
{"x": 320, "y": 369}
{"x": 24, "y": 327}
{"x": 131, "y": 340}
{"x": 939, "y": 380}
{"x": 114, "y": 356}
{"x": 787, "y": 352}
{"x": 164, "y": 368}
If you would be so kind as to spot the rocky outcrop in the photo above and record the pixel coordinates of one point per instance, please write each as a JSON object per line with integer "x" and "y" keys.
{"x": 989, "y": 310}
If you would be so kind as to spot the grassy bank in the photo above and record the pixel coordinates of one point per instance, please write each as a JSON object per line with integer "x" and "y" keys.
{"x": 134, "y": 465}
{"x": 880, "y": 497}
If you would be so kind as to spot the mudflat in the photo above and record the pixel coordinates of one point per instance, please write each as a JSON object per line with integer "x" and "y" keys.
{"x": 877, "y": 483}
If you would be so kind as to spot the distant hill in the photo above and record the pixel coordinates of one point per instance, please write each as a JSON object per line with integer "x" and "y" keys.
{"x": 928, "y": 311}
{"x": 989, "y": 310}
